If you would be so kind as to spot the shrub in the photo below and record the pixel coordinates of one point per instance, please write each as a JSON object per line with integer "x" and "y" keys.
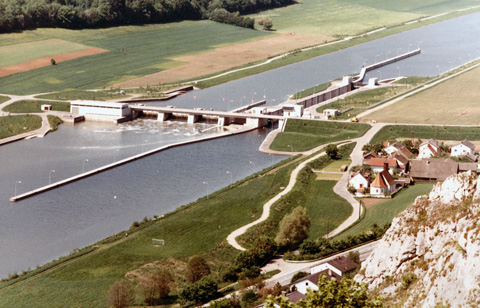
{"x": 298, "y": 276}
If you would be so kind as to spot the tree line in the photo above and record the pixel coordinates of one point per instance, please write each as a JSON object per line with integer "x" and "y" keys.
{"x": 17, "y": 15}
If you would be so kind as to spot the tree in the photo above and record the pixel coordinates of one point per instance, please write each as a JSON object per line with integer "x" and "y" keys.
{"x": 332, "y": 150}
{"x": 52, "y": 60}
{"x": 121, "y": 295}
{"x": 199, "y": 292}
{"x": 266, "y": 23}
{"x": 162, "y": 280}
{"x": 249, "y": 298}
{"x": 294, "y": 228}
{"x": 346, "y": 293}
{"x": 197, "y": 268}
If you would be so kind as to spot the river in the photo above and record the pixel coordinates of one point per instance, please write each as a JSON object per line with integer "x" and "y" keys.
{"x": 39, "y": 229}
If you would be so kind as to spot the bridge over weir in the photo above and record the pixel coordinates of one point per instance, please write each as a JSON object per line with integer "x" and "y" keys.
{"x": 223, "y": 117}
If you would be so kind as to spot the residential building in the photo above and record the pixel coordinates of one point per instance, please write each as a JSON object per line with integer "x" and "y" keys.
{"x": 360, "y": 180}
{"x": 384, "y": 184}
{"x": 367, "y": 156}
{"x": 428, "y": 149}
{"x": 399, "y": 148}
{"x": 463, "y": 148}
{"x": 377, "y": 164}
{"x": 437, "y": 169}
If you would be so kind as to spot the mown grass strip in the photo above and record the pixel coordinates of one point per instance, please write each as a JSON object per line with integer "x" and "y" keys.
{"x": 32, "y": 106}
{"x": 14, "y": 125}
{"x": 384, "y": 212}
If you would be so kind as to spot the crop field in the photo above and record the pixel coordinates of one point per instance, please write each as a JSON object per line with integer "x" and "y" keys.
{"x": 134, "y": 51}
{"x": 457, "y": 133}
{"x": 303, "y": 135}
{"x": 384, "y": 212}
{"x": 23, "y": 52}
{"x": 453, "y": 102}
{"x": 350, "y": 17}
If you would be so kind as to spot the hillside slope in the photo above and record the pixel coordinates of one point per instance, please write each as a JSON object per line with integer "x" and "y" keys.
{"x": 429, "y": 257}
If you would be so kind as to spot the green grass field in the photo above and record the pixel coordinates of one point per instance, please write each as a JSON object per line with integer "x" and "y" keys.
{"x": 344, "y": 17}
{"x": 31, "y": 106}
{"x": 3, "y": 99}
{"x": 14, "y": 125}
{"x": 23, "y": 52}
{"x": 453, "y": 102}
{"x": 197, "y": 229}
{"x": 426, "y": 132}
{"x": 87, "y": 95}
{"x": 303, "y": 135}
{"x": 147, "y": 49}
{"x": 384, "y": 212}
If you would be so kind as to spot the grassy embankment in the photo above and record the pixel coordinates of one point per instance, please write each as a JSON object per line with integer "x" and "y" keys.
{"x": 303, "y": 135}
{"x": 452, "y": 102}
{"x": 366, "y": 99}
{"x": 324, "y": 207}
{"x": 385, "y": 211}
{"x": 32, "y": 106}
{"x": 14, "y": 125}
{"x": 426, "y": 132}
{"x": 199, "y": 228}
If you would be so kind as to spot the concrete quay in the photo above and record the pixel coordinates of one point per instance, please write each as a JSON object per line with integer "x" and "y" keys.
{"x": 40, "y": 190}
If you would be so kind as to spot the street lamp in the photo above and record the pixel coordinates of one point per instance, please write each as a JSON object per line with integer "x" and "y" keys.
{"x": 83, "y": 165}
{"x": 207, "y": 187}
{"x": 264, "y": 95}
{"x": 376, "y": 58}
{"x": 253, "y": 164}
{"x": 254, "y": 93}
{"x": 17, "y": 182}
{"x": 50, "y": 176}
{"x": 438, "y": 70}
{"x": 386, "y": 57}
{"x": 398, "y": 68}
{"x": 231, "y": 177}
{"x": 380, "y": 74}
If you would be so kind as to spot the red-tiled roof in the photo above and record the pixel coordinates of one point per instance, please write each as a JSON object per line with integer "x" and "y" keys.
{"x": 379, "y": 162}
{"x": 383, "y": 179}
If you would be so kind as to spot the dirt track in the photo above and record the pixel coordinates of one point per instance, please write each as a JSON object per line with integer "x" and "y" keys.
{"x": 45, "y": 61}
{"x": 225, "y": 58}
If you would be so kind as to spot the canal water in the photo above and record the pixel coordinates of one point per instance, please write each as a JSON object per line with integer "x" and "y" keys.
{"x": 39, "y": 229}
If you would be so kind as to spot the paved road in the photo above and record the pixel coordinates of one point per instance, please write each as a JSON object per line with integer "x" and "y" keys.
{"x": 288, "y": 269}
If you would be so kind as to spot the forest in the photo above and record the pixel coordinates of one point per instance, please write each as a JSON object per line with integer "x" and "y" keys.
{"x": 17, "y": 15}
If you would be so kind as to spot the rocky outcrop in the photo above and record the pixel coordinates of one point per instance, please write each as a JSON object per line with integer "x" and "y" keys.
{"x": 431, "y": 254}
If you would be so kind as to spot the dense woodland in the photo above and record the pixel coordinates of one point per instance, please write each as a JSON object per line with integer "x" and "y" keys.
{"x": 16, "y": 15}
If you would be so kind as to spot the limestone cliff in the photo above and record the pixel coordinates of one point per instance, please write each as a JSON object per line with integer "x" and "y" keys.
{"x": 430, "y": 256}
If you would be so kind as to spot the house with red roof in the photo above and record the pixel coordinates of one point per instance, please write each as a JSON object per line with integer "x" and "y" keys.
{"x": 377, "y": 164}
{"x": 384, "y": 184}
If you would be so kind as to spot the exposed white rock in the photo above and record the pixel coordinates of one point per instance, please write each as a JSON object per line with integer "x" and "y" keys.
{"x": 431, "y": 253}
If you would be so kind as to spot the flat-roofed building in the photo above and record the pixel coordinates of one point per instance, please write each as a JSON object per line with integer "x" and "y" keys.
{"x": 99, "y": 110}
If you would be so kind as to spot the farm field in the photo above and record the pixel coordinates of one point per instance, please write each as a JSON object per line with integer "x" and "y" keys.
{"x": 344, "y": 18}
{"x": 457, "y": 133}
{"x": 453, "y": 102}
{"x": 146, "y": 50}
{"x": 384, "y": 212}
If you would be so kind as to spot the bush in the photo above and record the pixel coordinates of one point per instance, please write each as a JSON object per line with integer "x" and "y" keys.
{"x": 298, "y": 276}
{"x": 53, "y": 61}
{"x": 249, "y": 298}
{"x": 199, "y": 292}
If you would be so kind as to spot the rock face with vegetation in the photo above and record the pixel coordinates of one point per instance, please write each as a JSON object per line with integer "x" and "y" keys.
{"x": 429, "y": 256}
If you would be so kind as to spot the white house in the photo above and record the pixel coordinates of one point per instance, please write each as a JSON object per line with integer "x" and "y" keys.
{"x": 384, "y": 184}
{"x": 428, "y": 149}
{"x": 360, "y": 179}
{"x": 377, "y": 164}
{"x": 463, "y": 148}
